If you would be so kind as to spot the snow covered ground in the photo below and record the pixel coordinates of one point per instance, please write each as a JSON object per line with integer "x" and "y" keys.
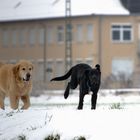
{"x": 51, "y": 114}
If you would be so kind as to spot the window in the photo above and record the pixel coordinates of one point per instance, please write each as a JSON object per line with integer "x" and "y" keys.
{"x": 50, "y": 35}
{"x": 121, "y": 33}
{"x": 5, "y": 38}
{"x": 14, "y": 37}
{"x": 89, "y": 32}
{"x": 69, "y": 32}
{"x": 79, "y": 34}
{"x": 60, "y": 34}
{"x": 122, "y": 66}
{"x": 22, "y": 37}
{"x": 40, "y": 75}
{"x": 41, "y": 36}
{"x": 59, "y": 67}
{"x": 32, "y": 37}
{"x": 49, "y": 70}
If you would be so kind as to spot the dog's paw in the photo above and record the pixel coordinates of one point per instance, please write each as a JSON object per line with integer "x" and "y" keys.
{"x": 80, "y": 108}
{"x": 93, "y": 108}
{"x": 65, "y": 96}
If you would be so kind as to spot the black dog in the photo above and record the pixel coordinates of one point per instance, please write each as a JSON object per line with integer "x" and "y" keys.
{"x": 88, "y": 80}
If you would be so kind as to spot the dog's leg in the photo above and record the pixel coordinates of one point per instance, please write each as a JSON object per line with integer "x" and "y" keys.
{"x": 14, "y": 102}
{"x": 66, "y": 94}
{"x": 81, "y": 100}
{"x": 2, "y": 102}
{"x": 93, "y": 100}
{"x": 26, "y": 101}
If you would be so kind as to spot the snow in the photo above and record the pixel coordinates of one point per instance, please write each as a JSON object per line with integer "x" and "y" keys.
{"x": 34, "y": 9}
{"x": 51, "y": 114}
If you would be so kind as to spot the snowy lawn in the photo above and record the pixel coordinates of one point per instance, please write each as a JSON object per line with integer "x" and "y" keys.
{"x": 54, "y": 115}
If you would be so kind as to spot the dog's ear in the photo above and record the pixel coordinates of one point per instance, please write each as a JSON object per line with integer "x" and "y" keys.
{"x": 97, "y": 66}
{"x": 16, "y": 69}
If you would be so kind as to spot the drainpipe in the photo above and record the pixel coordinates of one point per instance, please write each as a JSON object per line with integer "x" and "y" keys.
{"x": 100, "y": 40}
{"x": 45, "y": 53}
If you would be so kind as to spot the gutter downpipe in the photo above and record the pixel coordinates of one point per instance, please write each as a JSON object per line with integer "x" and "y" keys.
{"x": 100, "y": 40}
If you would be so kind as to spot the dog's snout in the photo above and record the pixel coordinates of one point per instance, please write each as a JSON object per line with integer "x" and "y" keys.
{"x": 28, "y": 76}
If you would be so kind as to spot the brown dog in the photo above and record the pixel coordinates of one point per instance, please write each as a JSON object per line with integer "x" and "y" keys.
{"x": 15, "y": 82}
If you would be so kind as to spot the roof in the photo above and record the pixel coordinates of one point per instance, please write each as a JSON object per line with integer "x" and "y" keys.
{"x": 33, "y": 9}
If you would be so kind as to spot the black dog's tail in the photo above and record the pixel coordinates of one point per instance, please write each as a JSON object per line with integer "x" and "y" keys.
{"x": 64, "y": 77}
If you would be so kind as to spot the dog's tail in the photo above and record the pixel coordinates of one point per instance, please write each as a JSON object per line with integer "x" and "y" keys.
{"x": 64, "y": 77}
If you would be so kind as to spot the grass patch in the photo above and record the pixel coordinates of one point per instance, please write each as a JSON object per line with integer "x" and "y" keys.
{"x": 22, "y": 137}
{"x": 116, "y": 106}
{"x": 53, "y": 137}
{"x": 57, "y": 137}
{"x": 79, "y": 138}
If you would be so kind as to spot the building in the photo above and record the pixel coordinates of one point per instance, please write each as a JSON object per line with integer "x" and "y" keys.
{"x": 35, "y": 30}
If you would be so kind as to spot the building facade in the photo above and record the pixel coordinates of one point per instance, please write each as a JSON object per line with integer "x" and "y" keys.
{"x": 110, "y": 40}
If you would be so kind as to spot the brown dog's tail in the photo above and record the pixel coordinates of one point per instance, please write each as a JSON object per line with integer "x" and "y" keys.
{"x": 64, "y": 77}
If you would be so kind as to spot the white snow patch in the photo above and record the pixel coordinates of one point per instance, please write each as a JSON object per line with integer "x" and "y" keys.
{"x": 51, "y": 114}
{"x": 34, "y": 9}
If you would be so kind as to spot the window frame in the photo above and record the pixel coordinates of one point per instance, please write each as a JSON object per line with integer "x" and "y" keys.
{"x": 79, "y": 33}
{"x": 60, "y": 34}
{"x": 14, "y": 37}
{"x": 49, "y": 70}
{"x": 50, "y": 34}
{"x": 41, "y": 36}
{"x": 22, "y": 33}
{"x": 5, "y": 37}
{"x": 32, "y": 36}
{"x": 122, "y": 70}
{"x": 90, "y": 32}
{"x": 69, "y": 33}
{"x": 59, "y": 67}
{"x": 121, "y": 32}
